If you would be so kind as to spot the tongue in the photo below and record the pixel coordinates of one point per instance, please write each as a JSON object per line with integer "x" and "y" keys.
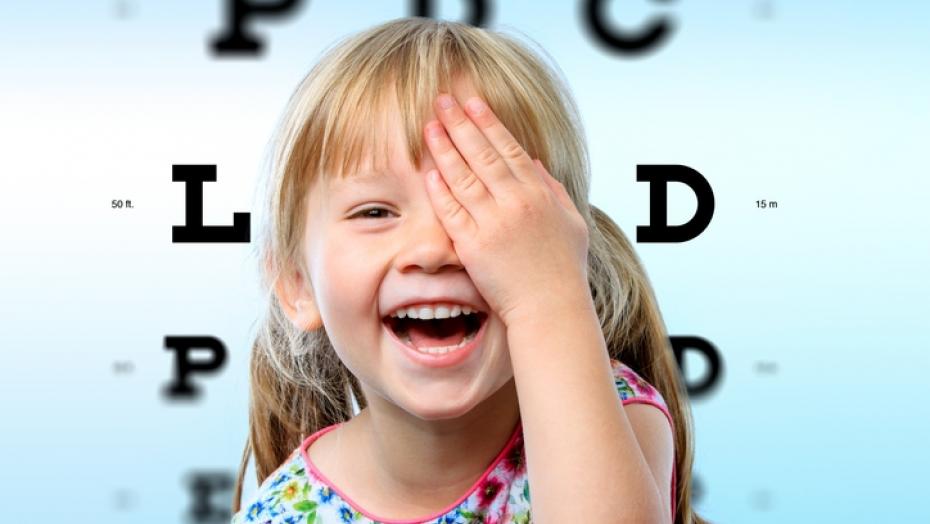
{"x": 438, "y": 332}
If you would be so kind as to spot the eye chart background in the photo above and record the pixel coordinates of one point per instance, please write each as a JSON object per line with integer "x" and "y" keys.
{"x": 817, "y": 306}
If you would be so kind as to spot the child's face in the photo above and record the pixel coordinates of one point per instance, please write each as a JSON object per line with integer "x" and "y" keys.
{"x": 363, "y": 267}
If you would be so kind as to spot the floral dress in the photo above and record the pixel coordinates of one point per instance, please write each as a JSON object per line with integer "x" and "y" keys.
{"x": 297, "y": 492}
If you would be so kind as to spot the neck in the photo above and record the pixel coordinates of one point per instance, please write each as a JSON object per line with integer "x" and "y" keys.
{"x": 415, "y": 459}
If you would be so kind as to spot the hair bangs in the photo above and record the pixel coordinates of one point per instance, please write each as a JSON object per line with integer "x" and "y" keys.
{"x": 387, "y": 97}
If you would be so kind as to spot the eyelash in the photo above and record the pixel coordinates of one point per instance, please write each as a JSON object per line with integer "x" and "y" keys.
{"x": 360, "y": 213}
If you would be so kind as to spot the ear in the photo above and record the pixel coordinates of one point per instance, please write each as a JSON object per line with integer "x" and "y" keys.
{"x": 296, "y": 300}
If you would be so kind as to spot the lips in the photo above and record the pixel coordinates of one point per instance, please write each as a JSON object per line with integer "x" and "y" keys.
{"x": 445, "y": 360}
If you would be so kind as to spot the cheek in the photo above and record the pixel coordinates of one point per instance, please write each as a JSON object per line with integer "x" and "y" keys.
{"x": 352, "y": 268}
{"x": 343, "y": 289}
{"x": 349, "y": 273}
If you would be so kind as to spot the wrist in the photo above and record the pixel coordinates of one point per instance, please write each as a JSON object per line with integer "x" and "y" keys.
{"x": 569, "y": 300}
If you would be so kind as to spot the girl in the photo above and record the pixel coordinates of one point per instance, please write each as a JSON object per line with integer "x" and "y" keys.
{"x": 454, "y": 334}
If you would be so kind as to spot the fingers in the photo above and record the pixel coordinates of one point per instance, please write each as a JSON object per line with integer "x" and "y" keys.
{"x": 479, "y": 161}
{"x": 463, "y": 154}
{"x": 454, "y": 217}
{"x": 499, "y": 137}
{"x": 463, "y": 184}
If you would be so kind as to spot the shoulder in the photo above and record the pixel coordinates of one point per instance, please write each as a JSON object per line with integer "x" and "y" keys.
{"x": 275, "y": 493}
{"x": 632, "y": 388}
{"x": 652, "y": 424}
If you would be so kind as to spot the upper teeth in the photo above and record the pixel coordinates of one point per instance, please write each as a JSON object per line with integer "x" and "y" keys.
{"x": 428, "y": 312}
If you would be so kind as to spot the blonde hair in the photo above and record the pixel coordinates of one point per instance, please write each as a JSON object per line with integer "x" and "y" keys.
{"x": 298, "y": 384}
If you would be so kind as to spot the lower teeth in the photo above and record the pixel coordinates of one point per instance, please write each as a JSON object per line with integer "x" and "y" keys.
{"x": 440, "y": 350}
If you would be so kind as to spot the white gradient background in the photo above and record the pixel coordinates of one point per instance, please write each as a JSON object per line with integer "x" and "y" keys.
{"x": 821, "y": 106}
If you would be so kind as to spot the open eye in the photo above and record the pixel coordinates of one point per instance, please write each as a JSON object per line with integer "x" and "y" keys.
{"x": 366, "y": 213}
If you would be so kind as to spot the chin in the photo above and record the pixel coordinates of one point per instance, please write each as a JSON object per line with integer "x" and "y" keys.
{"x": 441, "y": 401}
{"x": 440, "y": 414}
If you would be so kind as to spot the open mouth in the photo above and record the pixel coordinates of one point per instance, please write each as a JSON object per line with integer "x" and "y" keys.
{"x": 438, "y": 335}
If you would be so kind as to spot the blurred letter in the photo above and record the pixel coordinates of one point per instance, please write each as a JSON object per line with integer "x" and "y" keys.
{"x": 235, "y": 40}
{"x": 184, "y": 366}
{"x": 643, "y": 41}
{"x": 202, "y": 485}
{"x": 714, "y": 364}
{"x": 479, "y": 11}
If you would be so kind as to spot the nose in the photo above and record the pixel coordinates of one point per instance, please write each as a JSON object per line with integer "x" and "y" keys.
{"x": 427, "y": 246}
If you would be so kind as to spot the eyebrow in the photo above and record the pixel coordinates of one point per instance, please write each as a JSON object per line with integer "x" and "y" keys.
{"x": 369, "y": 177}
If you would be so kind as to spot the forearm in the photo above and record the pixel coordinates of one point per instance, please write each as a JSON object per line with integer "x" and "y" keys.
{"x": 583, "y": 460}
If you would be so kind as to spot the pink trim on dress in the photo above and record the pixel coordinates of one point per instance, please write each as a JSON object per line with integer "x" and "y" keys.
{"x": 500, "y": 456}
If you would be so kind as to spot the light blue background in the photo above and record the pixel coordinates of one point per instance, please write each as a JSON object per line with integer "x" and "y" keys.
{"x": 820, "y": 106}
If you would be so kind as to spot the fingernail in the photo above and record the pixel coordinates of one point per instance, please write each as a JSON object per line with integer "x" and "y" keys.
{"x": 446, "y": 101}
{"x": 476, "y": 106}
